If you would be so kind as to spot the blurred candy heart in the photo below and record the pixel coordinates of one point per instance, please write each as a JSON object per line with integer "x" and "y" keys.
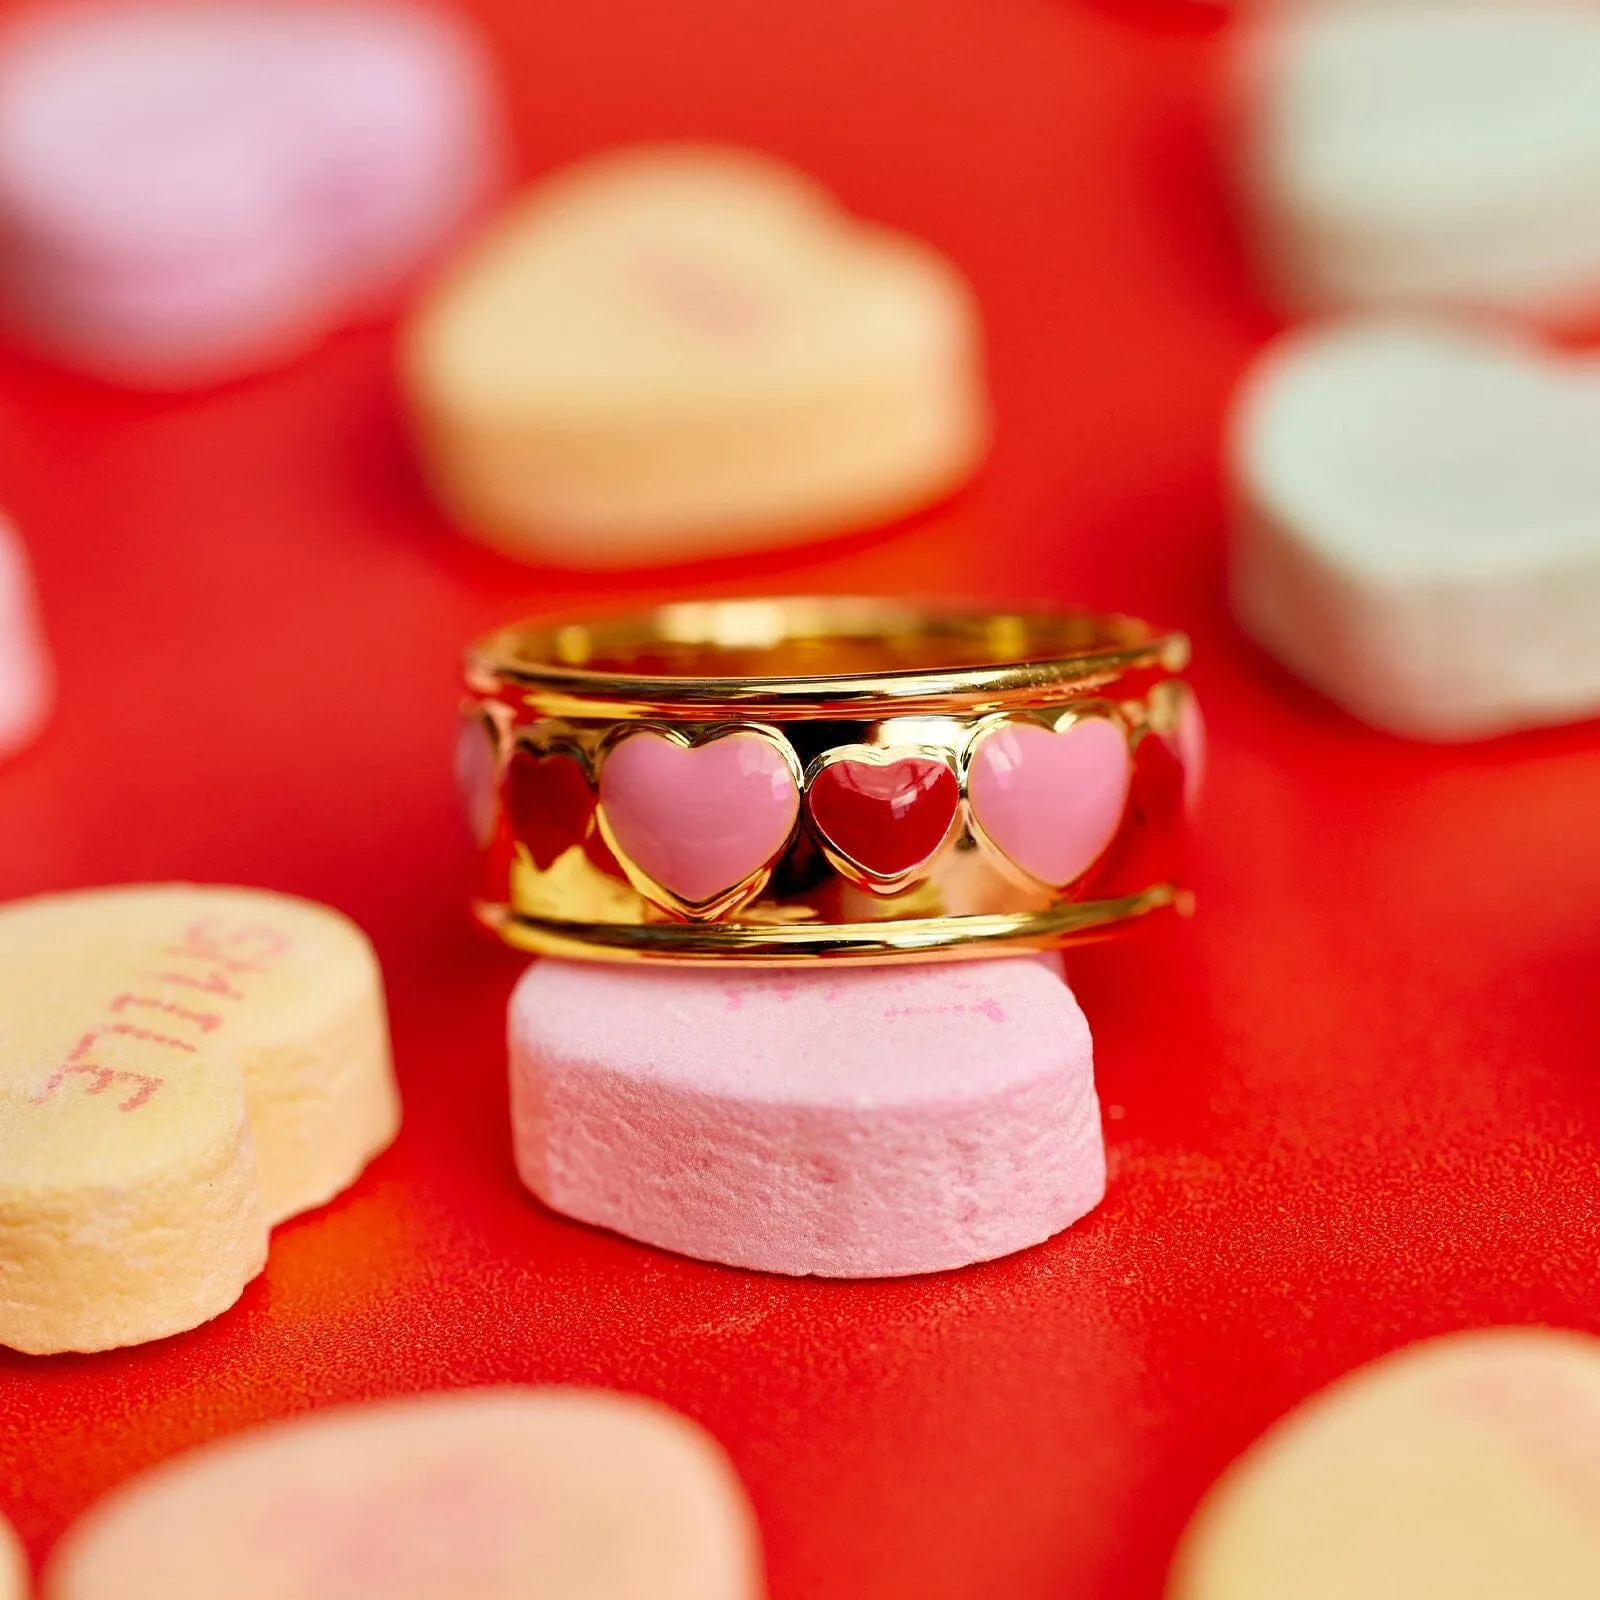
{"x": 1427, "y": 154}
{"x": 1462, "y": 1466}
{"x": 185, "y": 1067}
{"x": 669, "y": 353}
{"x": 191, "y": 191}
{"x": 489, "y": 1494}
{"x": 1418, "y": 525}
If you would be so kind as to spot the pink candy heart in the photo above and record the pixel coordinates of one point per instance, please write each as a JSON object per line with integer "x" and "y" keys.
{"x": 189, "y": 191}
{"x": 698, "y": 819}
{"x": 1051, "y": 801}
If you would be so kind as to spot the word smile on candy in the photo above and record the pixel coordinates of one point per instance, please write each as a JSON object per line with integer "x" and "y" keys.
{"x": 183, "y": 1068}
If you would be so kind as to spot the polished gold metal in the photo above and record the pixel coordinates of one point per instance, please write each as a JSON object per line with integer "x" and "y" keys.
{"x": 752, "y": 943}
{"x": 823, "y": 681}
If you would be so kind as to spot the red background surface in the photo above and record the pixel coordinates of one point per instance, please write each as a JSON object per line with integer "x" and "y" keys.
{"x": 1353, "y": 1103}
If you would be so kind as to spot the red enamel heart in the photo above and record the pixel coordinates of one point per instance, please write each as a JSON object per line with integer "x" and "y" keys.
{"x": 886, "y": 816}
{"x": 1147, "y": 848}
{"x": 549, "y": 801}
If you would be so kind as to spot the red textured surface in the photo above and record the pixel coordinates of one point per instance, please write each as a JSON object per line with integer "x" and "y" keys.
{"x": 1354, "y": 1102}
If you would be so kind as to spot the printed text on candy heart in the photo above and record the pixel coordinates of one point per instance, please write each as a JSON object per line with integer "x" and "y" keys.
{"x": 212, "y": 959}
{"x": 1550, "y": 1417}
{"x": 784, "y": 988}
{"x": 699, "y": 295}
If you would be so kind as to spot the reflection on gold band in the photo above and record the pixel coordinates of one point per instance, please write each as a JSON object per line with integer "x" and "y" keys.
{"x": 758, "y": 944}
{"x": 806, "y": 658}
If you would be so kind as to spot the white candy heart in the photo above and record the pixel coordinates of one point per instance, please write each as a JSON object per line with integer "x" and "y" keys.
{"x": 1418, "y": 528}
{"x": 671, "y": 352}
{"x": 1421, "y": 154}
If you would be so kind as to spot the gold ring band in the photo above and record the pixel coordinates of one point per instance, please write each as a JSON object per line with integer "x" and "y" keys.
{"x": 779, "y": 780}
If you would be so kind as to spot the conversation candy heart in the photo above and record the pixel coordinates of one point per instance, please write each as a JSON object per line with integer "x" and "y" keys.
{"x": 191, "y": 191}
{"x": 1426, "y": 155}
{"x": 674, "y": 352}
{"x": 1464, "y": 1466}
{"x": 1418, "y": 525}
{"x": 861, "y": 1121}
{"x": 182, "y": 1067}
{"x": 489, "y": 1494}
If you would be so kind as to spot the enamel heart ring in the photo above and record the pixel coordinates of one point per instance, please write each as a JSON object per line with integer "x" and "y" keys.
{"x": 778, "y": 780}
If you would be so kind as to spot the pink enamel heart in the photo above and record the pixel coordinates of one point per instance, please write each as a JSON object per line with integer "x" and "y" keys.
{"x": 1051, "y": 801}
{"x": 698, "y": 819}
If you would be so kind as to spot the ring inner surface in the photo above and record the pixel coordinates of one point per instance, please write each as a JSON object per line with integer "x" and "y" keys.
{"x": 788, "y": 643}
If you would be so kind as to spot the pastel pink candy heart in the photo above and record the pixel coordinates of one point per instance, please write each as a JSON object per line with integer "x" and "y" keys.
{"x": 698, "y": 819}
{"x": 1052, "y": 801}
{"x": 190, "y": 190}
